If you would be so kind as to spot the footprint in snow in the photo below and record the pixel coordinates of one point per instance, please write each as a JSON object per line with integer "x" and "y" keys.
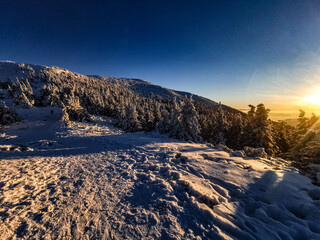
{"x": 78, "y": 183}
{"x": 22, "y": 230}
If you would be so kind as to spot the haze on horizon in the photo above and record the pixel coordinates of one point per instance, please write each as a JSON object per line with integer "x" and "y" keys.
{"x": 236, "y": 52}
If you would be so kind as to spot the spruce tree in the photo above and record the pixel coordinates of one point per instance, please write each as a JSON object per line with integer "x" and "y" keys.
{"x": 189, "y": 121}
{"x": 221, "y": 125}
{"x": 132, "y": 124}
{"x": 258, "y": 131}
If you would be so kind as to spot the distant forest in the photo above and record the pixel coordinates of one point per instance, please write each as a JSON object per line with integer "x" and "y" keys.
{"x": 181, "y": 118}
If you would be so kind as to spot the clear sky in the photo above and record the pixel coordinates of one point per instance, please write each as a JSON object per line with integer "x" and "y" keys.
{"x": 237, "y": 52}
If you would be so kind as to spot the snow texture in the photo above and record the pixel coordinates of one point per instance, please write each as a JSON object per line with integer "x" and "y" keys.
{"x": 93, "y": 181}
{"x": 144, "y": 89}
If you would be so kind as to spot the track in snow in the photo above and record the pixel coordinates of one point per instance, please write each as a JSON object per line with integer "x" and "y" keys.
{"x": 95, "y": 182}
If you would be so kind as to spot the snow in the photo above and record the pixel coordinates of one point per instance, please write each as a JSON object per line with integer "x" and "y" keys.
{"x": 144, "y": 89}
{"x": 93, "y": 181}
{"x": 10, "y": 71}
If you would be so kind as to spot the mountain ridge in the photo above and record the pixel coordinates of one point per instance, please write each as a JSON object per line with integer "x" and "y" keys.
{"x": 9, "y": 71}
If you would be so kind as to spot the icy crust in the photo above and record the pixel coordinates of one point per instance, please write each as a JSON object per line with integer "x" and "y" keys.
{"x": 92, "y": 181}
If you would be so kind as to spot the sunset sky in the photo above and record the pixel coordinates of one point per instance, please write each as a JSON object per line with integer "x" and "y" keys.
{"x": 236, "y": 52}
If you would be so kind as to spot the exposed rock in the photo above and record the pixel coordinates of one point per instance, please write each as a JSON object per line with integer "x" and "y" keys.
{"x": 260, "y": 152}
{"x": 222, "y": 147}
{"x": 240, "y": 153}
{"x": 249, "y": 151}
{"x": 255, "y": 152}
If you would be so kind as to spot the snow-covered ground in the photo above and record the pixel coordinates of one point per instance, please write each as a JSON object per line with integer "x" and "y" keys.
{"x": 92, "y": 181}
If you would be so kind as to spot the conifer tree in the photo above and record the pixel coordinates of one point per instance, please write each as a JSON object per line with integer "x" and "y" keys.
{"x": 258, "y": 132}
{"x": 220, "y": 128}
{"x": 189, "y": 121}
{"x": 132, "y": 124}
{"x": 22, "y": 93}
{"x": 170, "y": 122}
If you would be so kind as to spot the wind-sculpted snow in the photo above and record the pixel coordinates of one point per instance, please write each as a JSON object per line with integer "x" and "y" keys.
{"x": 96, "y": 182}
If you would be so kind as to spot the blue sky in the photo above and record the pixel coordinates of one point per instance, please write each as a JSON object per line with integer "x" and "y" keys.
{"x": 237, "y": 52}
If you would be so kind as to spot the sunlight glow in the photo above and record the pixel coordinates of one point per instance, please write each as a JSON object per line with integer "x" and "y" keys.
{"x": 313, "y": 99}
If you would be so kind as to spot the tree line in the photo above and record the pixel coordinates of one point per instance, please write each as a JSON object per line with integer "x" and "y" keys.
{"x": 181, "y": 118}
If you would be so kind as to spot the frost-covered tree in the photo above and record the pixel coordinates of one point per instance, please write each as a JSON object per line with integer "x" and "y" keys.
{"x": 189, "y": 121}
{"x": 182, "y": 123}
{"x": 174, "y": 120}
{"x": 302, "y": 125}
{"x": 284, "y": 135}
{"x": 234, "y": 131}
{"x": 263, "y": 129}
{"x": 131, "y": 123}
{"x": 22, "y": 93}
{"x": 221, "y": 126}
{"x": 148, "y": 119}
{"x": 120, "y": 114}
{"x": 75, "y": 111}
{"x": 8, "y": 116}
{"x": 251, "y": 112}
{"x": 50, "y": 96}
{"x": 258, "y": 132}
{"x": 157, "y": 113}
{"x": 65, "y": 116}
{"x": 171, "y": 122}
{"x": 305, "y": 123}
{"x": 163, "y": 126}
{"x": 306, "y": 149}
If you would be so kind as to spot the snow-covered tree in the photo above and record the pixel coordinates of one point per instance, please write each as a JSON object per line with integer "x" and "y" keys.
{"x": 22, "y": 93}
{"x": 65, "y": 116}
{"x": 170, "y": 123}
{"x": 221, "y": 125}
{"x": 163, "y": 126}
{"x": 132, "y": 124}
{"x": 148, "y": 119}
{"x": 8, "y": 116}
{"x": 258, "y": 132}
{"x": 182, "y": 123}
{"x": 75, "y": 111}
{"x": 189, "y": 121}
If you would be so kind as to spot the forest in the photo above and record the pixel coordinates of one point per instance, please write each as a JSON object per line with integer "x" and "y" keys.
{"x": 180, "y": 117}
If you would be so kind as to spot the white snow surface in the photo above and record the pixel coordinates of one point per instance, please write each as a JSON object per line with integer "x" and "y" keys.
{"x": 93, "y": 181}
{"x": 11, "y": 71}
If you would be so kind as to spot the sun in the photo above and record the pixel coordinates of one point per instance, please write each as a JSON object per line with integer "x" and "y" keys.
{"x": 313, "y": 99}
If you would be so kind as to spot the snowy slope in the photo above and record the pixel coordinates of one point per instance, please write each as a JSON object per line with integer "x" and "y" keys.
{"x": 92, "y": 181}
{"x": 144, "y": 88}
{"x": 10, "y": 71}
{"x": 141, "y": 87}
